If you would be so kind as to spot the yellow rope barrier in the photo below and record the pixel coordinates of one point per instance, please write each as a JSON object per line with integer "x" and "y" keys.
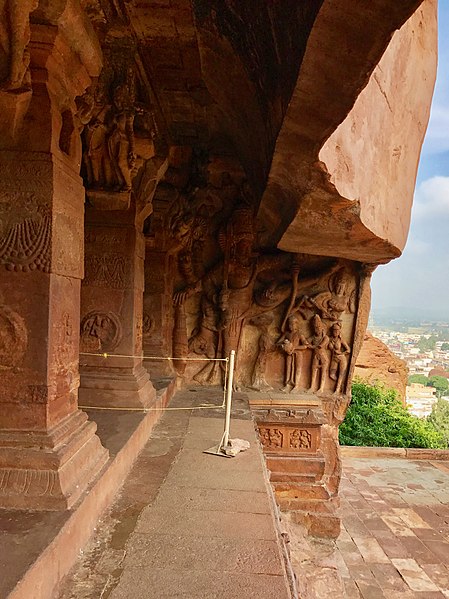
{"x": 145, "y": 410}
{"x": 105, "y": 355}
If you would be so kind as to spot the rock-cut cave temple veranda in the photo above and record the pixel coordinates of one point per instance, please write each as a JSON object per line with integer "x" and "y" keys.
{"x": 183, "y": 178}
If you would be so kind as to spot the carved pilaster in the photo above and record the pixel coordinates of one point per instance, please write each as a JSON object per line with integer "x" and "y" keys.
{"x": 49, "y": 452}
{"x": 112, "y": 313}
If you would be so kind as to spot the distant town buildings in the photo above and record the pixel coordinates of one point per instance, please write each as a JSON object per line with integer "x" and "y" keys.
{"x": 410, "y": 346}
{"x": 420, "y": 399}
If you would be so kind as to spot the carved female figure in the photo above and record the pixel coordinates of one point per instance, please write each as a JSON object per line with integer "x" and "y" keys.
{"x": 339, "y": 356}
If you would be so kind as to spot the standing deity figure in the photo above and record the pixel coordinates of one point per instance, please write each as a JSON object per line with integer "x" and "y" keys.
{"x": 265, "y": 346}
{"x": 339, "y": 356}
{"x": 229, "y": 286}
{"x": 14, "y": 39}
{"x": 319, "y": 343}
{"x": 293, "y": 344}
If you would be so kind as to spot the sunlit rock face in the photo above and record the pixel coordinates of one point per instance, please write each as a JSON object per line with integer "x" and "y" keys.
{"x": 376, "y": 363}
{"x": 372, "y": 156}
{"x": 243, "y": 174}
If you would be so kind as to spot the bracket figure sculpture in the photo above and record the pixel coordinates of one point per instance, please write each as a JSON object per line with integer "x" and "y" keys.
{"x": 14, "y": 40}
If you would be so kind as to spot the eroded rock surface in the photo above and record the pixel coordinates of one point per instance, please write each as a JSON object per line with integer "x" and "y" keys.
{"x": 378, "y": 364}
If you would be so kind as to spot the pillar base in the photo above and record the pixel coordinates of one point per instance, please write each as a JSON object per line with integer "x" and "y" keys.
{"x": 118, "y": 388}
{"x": 49, "y": 470}
{"x": 300, "y": 443}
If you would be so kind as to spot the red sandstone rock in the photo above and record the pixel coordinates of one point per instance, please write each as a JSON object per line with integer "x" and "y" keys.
{"x": 376, "y": 363}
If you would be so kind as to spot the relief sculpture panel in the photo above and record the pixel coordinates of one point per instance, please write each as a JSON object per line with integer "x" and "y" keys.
{"x": 290, "y": 318}
{"x": 100, "y": 332}
{"x": 280, "y": 438}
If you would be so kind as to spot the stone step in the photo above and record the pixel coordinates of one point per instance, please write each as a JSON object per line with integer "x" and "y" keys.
{"x": 282, "y": 477}
{"x": 299, "y": 490}
{"x": 296, "y": 465}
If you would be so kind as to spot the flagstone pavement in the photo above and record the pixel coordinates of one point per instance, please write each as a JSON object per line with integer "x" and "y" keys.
{"x": 395, "y": 529}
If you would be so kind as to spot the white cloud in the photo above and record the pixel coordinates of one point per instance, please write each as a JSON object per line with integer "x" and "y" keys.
{"x": 432, "y": 199}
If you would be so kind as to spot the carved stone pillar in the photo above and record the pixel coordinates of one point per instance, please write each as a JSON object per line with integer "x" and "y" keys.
{"x": 158, "y": 309}
{"x": 49, "y": 452}
{"x": 112, "y": 311}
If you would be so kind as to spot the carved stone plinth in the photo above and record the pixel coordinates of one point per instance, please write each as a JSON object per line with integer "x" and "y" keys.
{"x": 49, "y": 470}
{"x": 300, "y": 442}
{"x": 118, "y": 387}
{"x": 108, "y": 200}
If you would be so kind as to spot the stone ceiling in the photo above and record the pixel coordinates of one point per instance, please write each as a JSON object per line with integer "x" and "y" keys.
{"x": 266, "y": 82}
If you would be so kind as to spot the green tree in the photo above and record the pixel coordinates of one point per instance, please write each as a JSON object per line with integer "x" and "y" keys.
{"x": 427, "y": 343}
{"x": 440, "y": 383}
{"x": 376, "y": 417}
{"x": 445, "y": 346}
{"x": 418, "y": 378}
{"x": 439, "y": 418}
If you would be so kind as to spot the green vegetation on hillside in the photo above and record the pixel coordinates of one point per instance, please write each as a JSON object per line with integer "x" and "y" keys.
{"x": 377, "y": 418}
{"x": 439, "y": 419}
{"x": 418, "y": 378}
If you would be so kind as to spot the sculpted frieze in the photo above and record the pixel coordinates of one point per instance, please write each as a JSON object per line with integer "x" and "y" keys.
{"x": 280, "y": 438}
{"x": 25, "y": 237}
{"x": 106, "y": 270}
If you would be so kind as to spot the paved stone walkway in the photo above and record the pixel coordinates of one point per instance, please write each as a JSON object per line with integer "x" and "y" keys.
{"x": 188, "y": 524}
{"x": 395, "y": 529}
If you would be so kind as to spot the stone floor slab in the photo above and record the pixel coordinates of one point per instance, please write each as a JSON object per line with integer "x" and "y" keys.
{"x": 206, "y": 530}
{"x": 175, "y": 584}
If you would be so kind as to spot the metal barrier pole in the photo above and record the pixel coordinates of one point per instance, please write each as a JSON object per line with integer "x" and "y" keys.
{"x": 230, "y": 383}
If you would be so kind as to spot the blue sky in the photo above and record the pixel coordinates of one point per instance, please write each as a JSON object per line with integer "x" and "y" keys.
{"x": 420, "y": 277}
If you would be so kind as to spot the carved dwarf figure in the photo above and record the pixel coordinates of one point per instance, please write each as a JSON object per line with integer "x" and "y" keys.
{"x": 300, "y": 439}
{"x": 339, "y": 356}
{"x": 319, "y": 342}
{"x": 14, "y": 39}
{"x": 293, "y": 344}
{"x": 264, "y": 436}
{"x": 276, "y": 438}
